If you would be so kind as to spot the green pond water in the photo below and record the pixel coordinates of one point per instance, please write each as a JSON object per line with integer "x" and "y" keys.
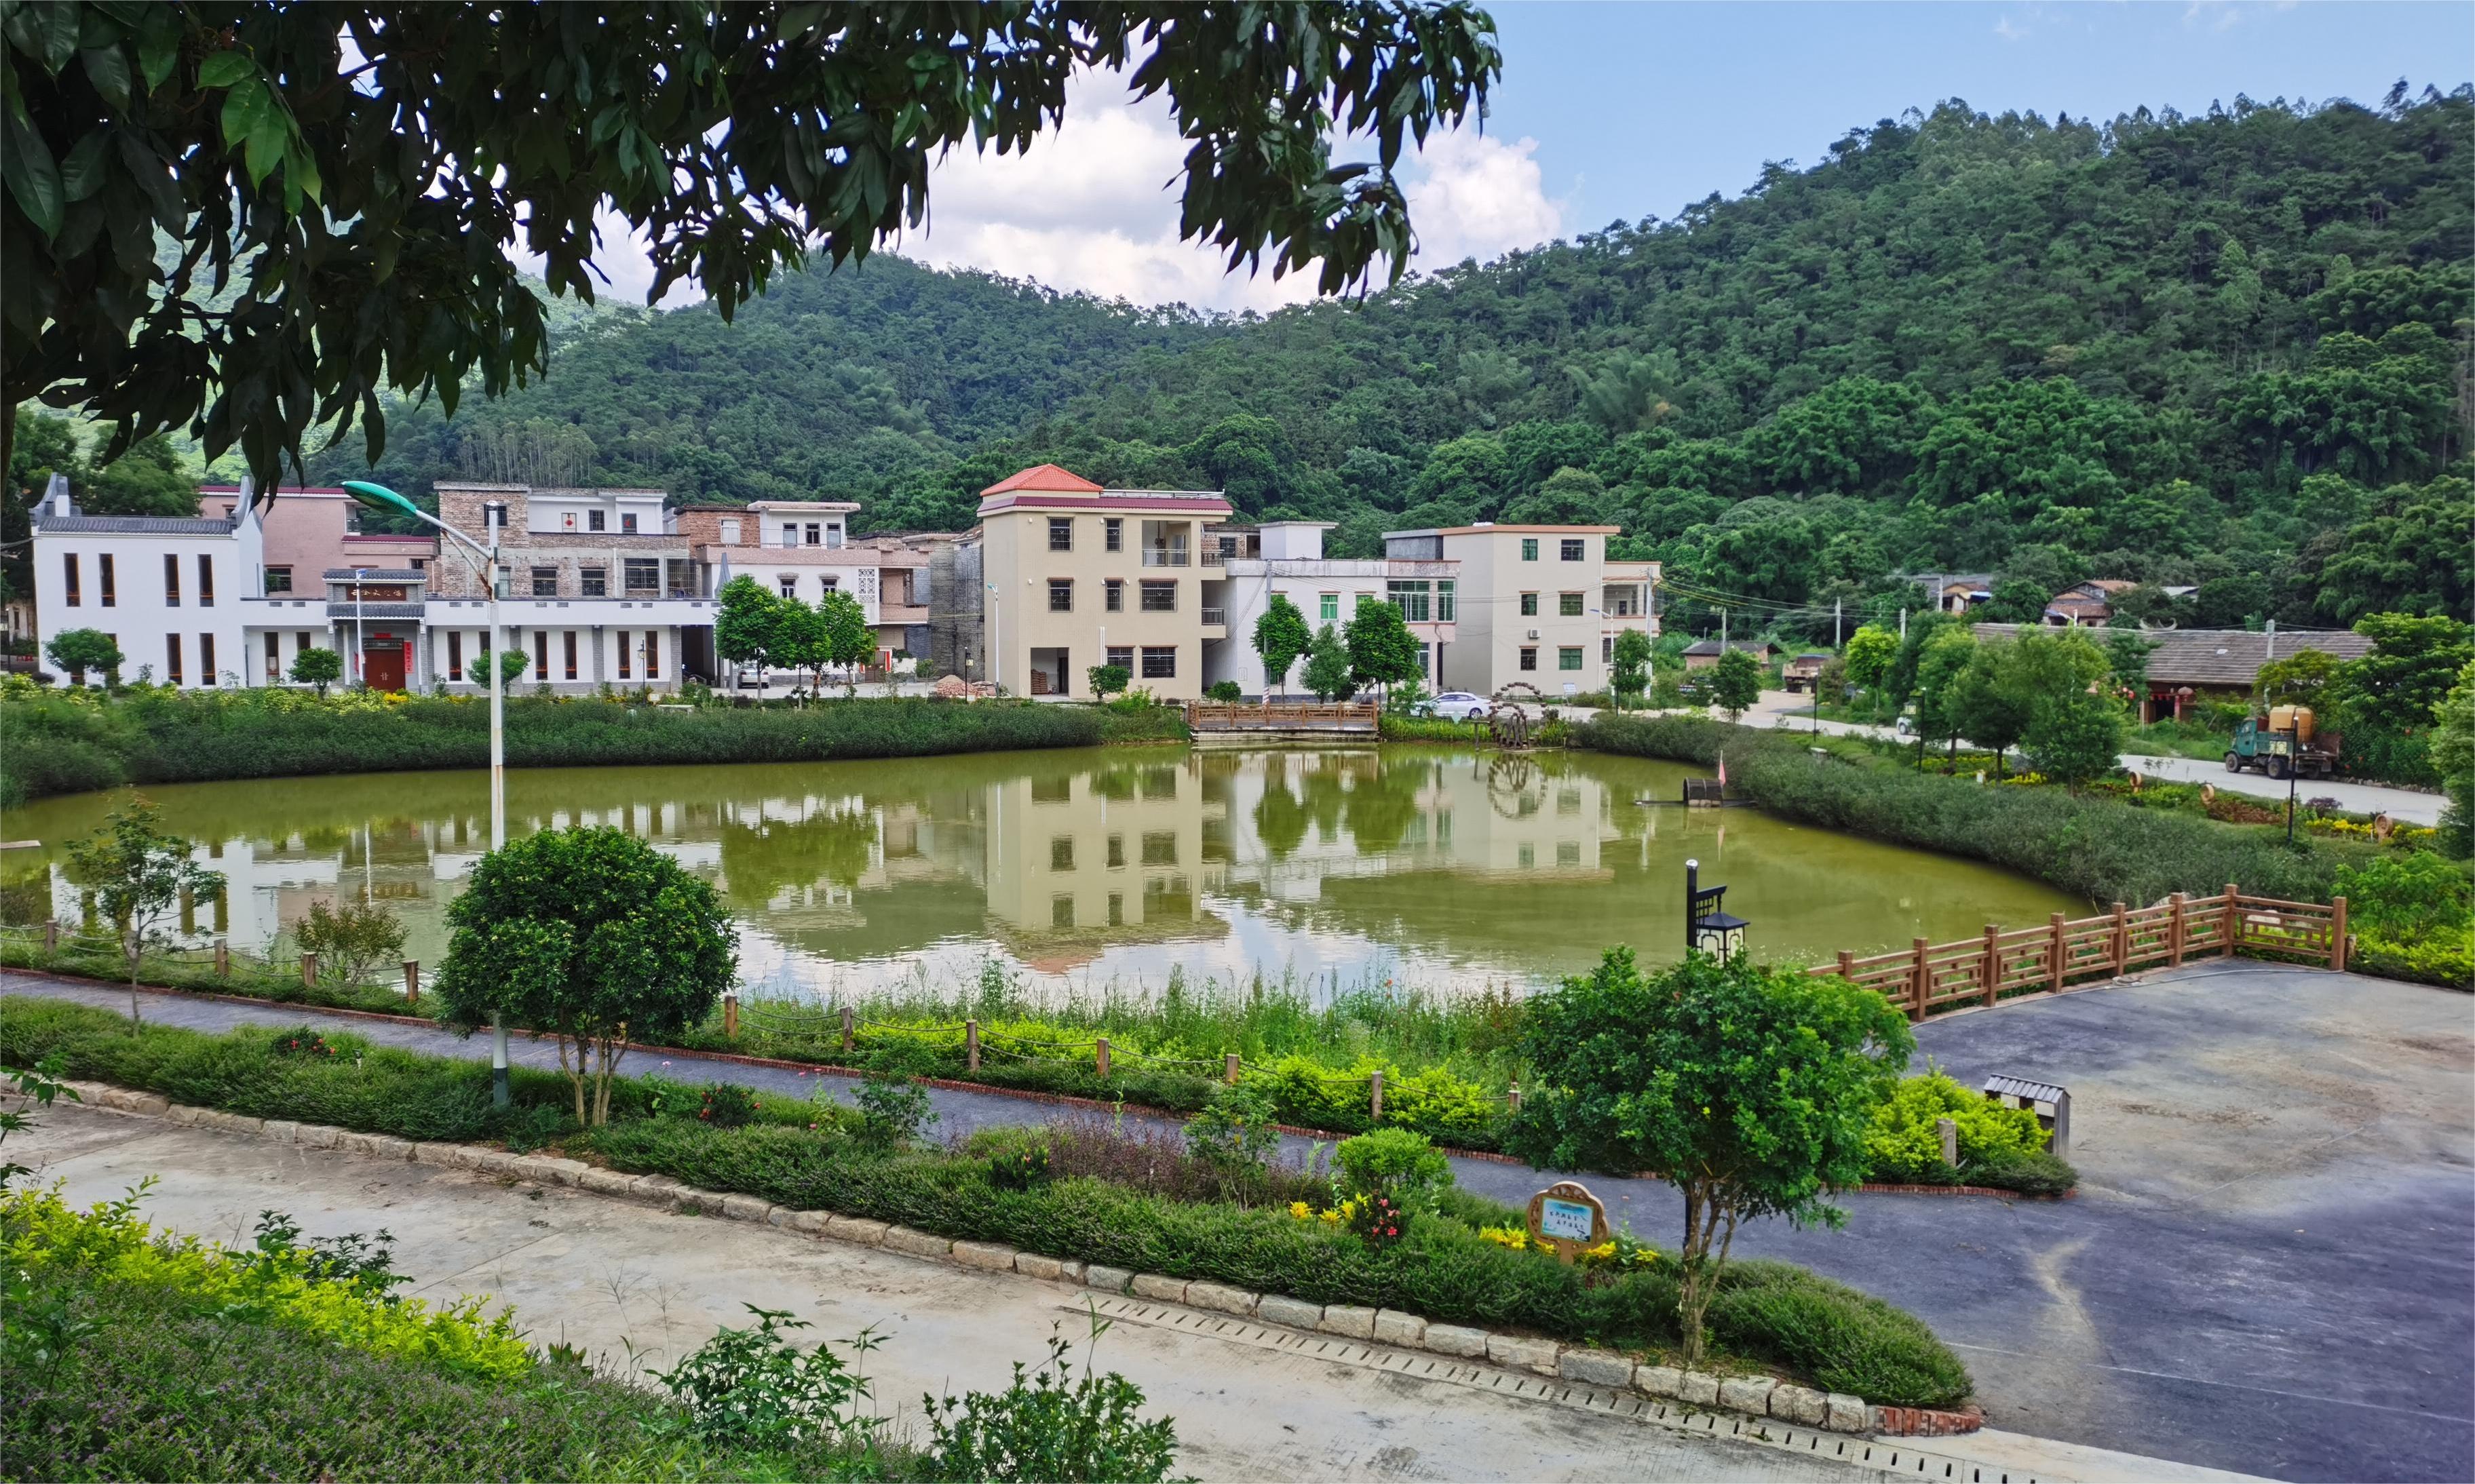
{"x": 1082, "y": 869}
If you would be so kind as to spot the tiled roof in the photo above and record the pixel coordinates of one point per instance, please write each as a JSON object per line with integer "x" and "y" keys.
{"x": 375, "y": 575}
{"x": 1043, "y": 476}
{"x": 344, "y": 611}
{"x": 2220, "y": 658}
{"x": 131, "y": 525}
{"x": 1748, "y": 646}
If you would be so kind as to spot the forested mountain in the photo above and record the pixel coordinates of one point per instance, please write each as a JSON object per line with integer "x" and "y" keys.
{"x": 2235, "y": 350}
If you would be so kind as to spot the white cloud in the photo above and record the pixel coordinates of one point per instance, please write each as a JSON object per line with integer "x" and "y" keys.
{"x": 1093, "y": 207}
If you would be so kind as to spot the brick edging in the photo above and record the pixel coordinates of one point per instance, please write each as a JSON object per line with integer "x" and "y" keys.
{"x": 949, "y": 1083}
{"x": 1757, "y": 1396}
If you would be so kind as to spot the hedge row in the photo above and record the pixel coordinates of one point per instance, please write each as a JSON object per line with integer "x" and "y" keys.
{"x": 2103, "y": 849}
{"x": 51, "y": 743}
{"x": 1769, "y": 1312}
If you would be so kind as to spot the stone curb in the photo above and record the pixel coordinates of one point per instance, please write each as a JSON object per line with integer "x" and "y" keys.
{"x": 1751, "y": 1396}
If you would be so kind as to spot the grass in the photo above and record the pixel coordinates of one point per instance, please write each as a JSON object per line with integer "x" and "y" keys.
{"x": 814, "y": 1156}
{"x": 2180, "y": 739}
{"x": 54, "y": 742}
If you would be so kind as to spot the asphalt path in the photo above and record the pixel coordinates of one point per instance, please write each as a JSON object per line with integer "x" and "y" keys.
{"x": 2267, "y": 1269}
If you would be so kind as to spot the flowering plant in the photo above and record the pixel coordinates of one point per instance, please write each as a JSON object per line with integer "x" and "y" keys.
{"x": 304, "y": 1042}
{"x": 1378, "y": 1218}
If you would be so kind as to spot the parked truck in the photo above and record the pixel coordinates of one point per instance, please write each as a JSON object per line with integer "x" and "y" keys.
{"x": 2283, "y": 741}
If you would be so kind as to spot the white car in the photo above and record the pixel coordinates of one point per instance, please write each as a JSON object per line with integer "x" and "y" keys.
{"x": 1454, "y": 706}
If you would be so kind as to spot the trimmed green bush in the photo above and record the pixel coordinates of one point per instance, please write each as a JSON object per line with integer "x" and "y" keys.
{"x": 2092, "y": 848}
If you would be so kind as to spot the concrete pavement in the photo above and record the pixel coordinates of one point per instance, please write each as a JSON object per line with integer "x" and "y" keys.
{"x": 2266, "y": 1270}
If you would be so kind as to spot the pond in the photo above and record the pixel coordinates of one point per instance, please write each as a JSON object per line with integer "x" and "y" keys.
{"x": 1437, "y": 867}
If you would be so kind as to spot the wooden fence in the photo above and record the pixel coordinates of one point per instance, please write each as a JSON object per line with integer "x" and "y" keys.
{"x": 1279, "y": 715}
{"x": 1927, "y": 977}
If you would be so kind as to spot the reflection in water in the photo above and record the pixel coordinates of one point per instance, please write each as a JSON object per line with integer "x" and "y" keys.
{"x": 1436, "y": 868}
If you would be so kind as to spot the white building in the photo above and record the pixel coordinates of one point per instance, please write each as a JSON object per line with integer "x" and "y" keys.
{"x": 1285, "y": 557}
{"x": 168, "y": 589}
{"x": 1537, "y": 604}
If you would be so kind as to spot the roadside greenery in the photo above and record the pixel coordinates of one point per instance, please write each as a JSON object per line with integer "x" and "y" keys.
{"x": 2414, "y": 917}
{"x": 818, "y": 1155}
{"x": 138, "y": 872}
{"x": 56, "y": 741}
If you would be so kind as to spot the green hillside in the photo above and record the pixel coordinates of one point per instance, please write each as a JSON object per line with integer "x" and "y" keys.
{"x": 2233, "y": 349}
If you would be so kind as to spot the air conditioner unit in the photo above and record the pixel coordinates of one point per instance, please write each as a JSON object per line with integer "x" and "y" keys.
{"x": 1533, "y": 633}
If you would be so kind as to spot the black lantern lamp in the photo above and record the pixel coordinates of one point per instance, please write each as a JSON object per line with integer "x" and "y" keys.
{"x": 1708, "y": 927}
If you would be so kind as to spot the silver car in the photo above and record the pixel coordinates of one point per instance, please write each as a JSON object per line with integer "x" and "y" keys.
{"x": 1454, "y": 706}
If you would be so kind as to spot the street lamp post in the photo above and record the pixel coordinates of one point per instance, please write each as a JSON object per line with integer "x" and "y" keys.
{"x": 378, "y": 497}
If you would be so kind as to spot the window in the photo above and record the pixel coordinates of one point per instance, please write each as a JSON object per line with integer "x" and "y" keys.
{"x": 1444, "y": 601}
{"x": 1123, "y": 656}
{"x": 1160, "y": 597}
{"x": 730, "y": 533}
{"x": 1114, "y": 534}
{"x": 626, "y": 658}
{"x": 1160, "y": 662}
{"x": 1061, "y": 910}
{"x": 833, "y": 584}
{"x": 571, "y": 653}
{"x": 1569, "y": 604}
{"x": 790, "y": 585}
{"x": 1410, "y": 598}
{"x": 206, "y": 580}
{"x": 172, "y": 658}
{"x": 455, "y": 654}
{"x": 1569, "y": 657}
{"x": 1529, "y": 659}
{"x": 643, "y": 575}
{"x": 789, "y": 535}
{"x": 1608, "y": 651}
{"x": 652, "y": 654}
{"x": 1117, "y": 851}
{"x": 833, "y": 535}
{"x": 541, "y": 654}
{"x": 69, "y": 576}
{"x": 816, "y": 534}
{"x": 1117, "y": 909}
{"x": 1568, "y": 853}
{"x": 1530, "y": 549}
{"x": 275, "y": 656}
{"x": 110, "y": 588}
{"x": 206, "y": 659}
{"x": 1573, "y": 545}
{"x": 627, "y": 523}
{"x": 1529, "y": 605}
{"x": 1061, "y": 853}
{"x": 279, "y": 579}
{"x": 1061, "y": 533}
{"x": 593, "y": 581}
{"x": 1061, "y": 595}
{"x": 171, "y": 580}
{"x": 545, "y": 582}
{"x": 1328, "y": 608}
{"x": 1160, "y": 848}
{"x": 1114, "y": 596}
{"x": 595, "y": 521}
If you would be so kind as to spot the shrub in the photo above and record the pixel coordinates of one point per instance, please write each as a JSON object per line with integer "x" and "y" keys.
{"x": 753, "y": 1389}
{"x": 893, "y": 1111}
{"x": 1225, "y": 691}
{"x": 1053, "y": 1425}
{"x": 2031, "y": 1171}
{"x": 1844, "y": 1340}
{"x": 1392, "y": 1161}
{"x": 1019, "y": 1169}
{"x": 1234, "y": 1132}
{"x": 352, "y": 938}
{"x": 726, "y": 1105}
{"x": 2406, "y": 896}
{"x": 1902, "y": 1144}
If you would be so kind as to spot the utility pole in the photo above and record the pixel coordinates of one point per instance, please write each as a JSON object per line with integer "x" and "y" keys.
{"x": 1722, "y": 633}
{"x": 1834, "y": 623}
{"x": 1903, "y": 625}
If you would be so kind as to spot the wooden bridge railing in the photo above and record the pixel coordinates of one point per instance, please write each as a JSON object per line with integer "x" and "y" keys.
{"x": 1926, "y": 976}
{"x": 1222, "y": 717}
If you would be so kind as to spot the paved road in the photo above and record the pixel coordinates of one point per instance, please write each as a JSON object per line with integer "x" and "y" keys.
{"x": 2267, "y": 1269}
{"x": 1780, "y": 709}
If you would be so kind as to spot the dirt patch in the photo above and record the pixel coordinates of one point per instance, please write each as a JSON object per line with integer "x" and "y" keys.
{"x": 2229, "y": 1117}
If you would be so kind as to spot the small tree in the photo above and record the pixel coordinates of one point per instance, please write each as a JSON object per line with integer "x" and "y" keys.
{"x": 1327, "y": 672}
{"x": 352, "y": 938}
{"x": 1107, "y": 680}
{"x": 511, "y": 668}
{"x": 1381, "y": 650}
{"x": 592, "y": 936}
{"x": 2126, "y": 661}
{"x": 1943, "y": 659}
{"x": 1281, "y": 635}
{"x": 2017, "y": 601}
{"x": 2300, "y": 679}
{"x": 795, "y": 639}
{"x": 2453, "y": 754}
{"x": 1736, "y": 682}
{"x": 746, "y": 624}
{"x": 138, "y": 872}
{"x": 1225, "y": 691}
{"x": 2075, "y": 738}
{"x": 1872, "y": 650}
{"x": 78, "y": 650}
{"x": 1631, "y": 674}
{"x": 321, "y": 668}
{"x": 843, "y": 633}
{"x": 1749, "y": 1088}
{"x": 1983, "y": 706}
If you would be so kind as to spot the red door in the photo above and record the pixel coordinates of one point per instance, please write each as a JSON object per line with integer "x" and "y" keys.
{"x": 383, "y": 665}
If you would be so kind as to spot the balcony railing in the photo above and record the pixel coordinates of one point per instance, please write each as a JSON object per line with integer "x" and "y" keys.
{"x": 1213, "y": 556}
{"x": 1165, "y": 556}
{"x": 1219, "y": 616}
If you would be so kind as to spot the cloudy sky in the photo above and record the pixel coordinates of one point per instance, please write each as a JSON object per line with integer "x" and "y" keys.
{"x": 1614, "y": 110}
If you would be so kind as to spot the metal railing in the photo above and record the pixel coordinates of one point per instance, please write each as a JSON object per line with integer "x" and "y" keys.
{"x": 1165, "y": 556}
{"x": 1219, "y": 616}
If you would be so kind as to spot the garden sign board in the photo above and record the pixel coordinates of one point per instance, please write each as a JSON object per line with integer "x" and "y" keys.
{"x": 1568, "y": 1219}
